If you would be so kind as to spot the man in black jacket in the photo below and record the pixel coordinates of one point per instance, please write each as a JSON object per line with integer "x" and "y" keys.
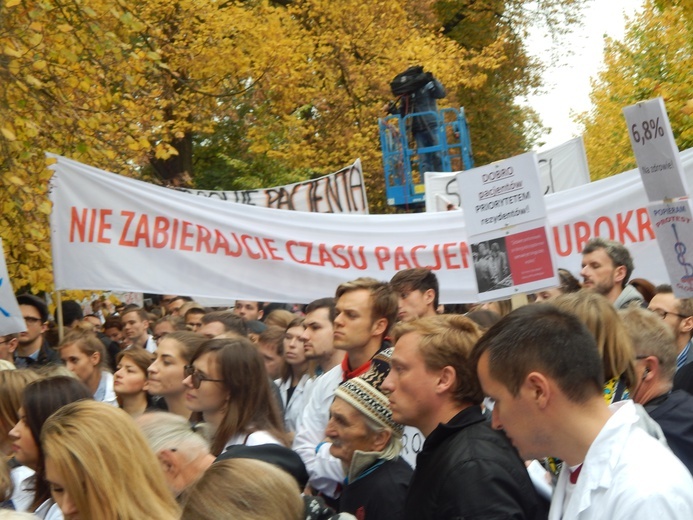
{"x": 466, "y": 469}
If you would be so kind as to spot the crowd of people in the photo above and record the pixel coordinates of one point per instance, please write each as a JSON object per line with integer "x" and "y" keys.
{"x": 373, "y": 403}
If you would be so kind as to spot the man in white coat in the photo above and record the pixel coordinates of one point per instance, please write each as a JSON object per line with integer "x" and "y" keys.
{"x": 542, "y": 368}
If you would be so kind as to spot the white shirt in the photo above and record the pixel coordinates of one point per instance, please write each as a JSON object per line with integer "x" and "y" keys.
{"x": 325, "y": 471}
{"x": 626, "y": 475}
{"x": 257, "y": 438}
{"x": 293, "y": 410}
{"x": 104, "y": 392}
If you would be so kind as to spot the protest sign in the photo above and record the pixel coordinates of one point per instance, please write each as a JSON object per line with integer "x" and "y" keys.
{"x": 144, "y": 238}
{"x": 11, "y": 319}
{"x": 340, "y": 192}
{"x": 655, "y": 150}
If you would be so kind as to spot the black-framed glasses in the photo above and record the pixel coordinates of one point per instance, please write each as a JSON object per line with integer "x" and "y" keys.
{"x": 196, "y": 376}
{"x": 663, "y": 314}
{"x": 31, "y": 319}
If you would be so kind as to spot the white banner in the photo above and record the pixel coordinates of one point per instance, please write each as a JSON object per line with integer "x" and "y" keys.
{"x": 145, "y": 238}
{"x": 340, "y": 192}
{"x": 11, "y": 319}
{"x": 560, "y": 168}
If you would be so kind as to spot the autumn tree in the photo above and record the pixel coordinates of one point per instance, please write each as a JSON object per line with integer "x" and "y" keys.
{"x": 654, "y": 59}
{"x": 138, "y": 88}
{"x": 500, "y": 125}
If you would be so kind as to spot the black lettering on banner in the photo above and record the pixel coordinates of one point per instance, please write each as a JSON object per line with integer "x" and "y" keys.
{"x": 453, "y": 193}
{"x": 357, "y": 190}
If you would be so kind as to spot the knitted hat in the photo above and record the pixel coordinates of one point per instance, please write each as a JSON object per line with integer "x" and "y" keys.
{"x": 363, "y": 392}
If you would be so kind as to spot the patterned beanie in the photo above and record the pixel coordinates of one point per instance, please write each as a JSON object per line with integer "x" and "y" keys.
{"x": 363, "y": 392}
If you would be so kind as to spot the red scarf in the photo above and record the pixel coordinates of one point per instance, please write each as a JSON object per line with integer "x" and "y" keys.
{"x": 349, "y": 374}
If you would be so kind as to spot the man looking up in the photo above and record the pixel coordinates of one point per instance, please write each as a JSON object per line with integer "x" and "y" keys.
{"x": 33, "y": 349}
{"x": 417, "y": 290}
{"x": 606, "y": 269}
{"x": 248, "y": 310}
{"x": 466, "y": 469}
{"x": 135, "y": 328}
{"x": 677, "y": 313}
{"x": 543, "y": 370}
{"x": 364, "y": 311}
{"x": 318, "y": 335}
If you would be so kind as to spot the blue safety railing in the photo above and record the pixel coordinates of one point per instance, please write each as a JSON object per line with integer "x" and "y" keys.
{"x": 404, "y": 182}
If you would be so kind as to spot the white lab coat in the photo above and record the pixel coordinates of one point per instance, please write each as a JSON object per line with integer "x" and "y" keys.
{"x": 626, "y": 475}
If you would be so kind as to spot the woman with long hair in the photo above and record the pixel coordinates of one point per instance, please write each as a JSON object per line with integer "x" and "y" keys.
{"x": 99, "y": 465}
{"x": 227, "y": 383}
{"x": 166, "y": 373}
{"x": 85, "y": 356}
{"x": 130, "y": 380}
{"x": 295, "y": 377}
{"x": 12, "y": 384}
{"x": 41, "y": 399}
{"x": 614, "y": 344}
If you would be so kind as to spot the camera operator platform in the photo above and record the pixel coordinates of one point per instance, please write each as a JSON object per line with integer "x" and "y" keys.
{"x": 417, "y": 137}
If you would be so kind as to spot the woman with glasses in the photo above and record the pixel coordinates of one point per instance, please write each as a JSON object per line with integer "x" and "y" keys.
{"x": 227, "y": 383}
{"x": 165, "y": 375}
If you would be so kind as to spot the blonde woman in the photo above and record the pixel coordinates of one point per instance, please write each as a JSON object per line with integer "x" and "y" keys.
{"x": 243, "y": 489}
{"x": 98, "y": 465}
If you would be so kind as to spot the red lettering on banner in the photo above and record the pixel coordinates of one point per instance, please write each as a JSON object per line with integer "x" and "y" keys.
{"x": 582, "y": 234}
{"x": 160, "y": 235}
{"x": 622, "y": 224}
{"x": 185, "y": 234}
{"x": 609, "y": 226}
{"x": 203, "y": 237}
{"x": 557, "y": 241}
{"x": 251, "y": 254}
{"x": 401, "y": 261}
{"x": 382, "y": 254}
{"x": 91, "y": 223}
{"x": 129, "y": 216}
{"x": 415, "y": 260}
{"x": 77, "y": 224}
{"x": 449, "y": 256}
{"x": 644, "y": 224}
{"x": 290, "y": 247}
{"x": 271, "y": 249}
{"x": 174, "y": 233}
{"x": 336, "y": 251}
{"x": 437, "y": 257}
{"x": 103, "y": 226}
{"x": 364, "y": 263}
{"x": 142, "y": 231}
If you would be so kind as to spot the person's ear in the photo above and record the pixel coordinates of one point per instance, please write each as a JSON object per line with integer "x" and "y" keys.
{"x": 169, "y": 463}
{"x": 429, "y": 296}
{"x": 537, "y": 388}
{"x": 447, "y": 379}
{"x": 381, "y": 439}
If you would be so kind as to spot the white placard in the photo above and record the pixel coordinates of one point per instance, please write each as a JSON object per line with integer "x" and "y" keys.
{"x": 11, "y": 319}
{"x": 655, "y": 150}
{"x": 673, "y": 226}
{"x": 501, "y": 194}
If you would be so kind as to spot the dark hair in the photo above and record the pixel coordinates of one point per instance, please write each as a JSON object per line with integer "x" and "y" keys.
{"x": 322, "y": 303}
{"x": 252, "y": 405}
{"x": 41, "y": 399}
{"x": 72, "y": 311}
{"x": 231, "y": 322}
{"x": 188, "y": 342}
{"x": 417, "y": 279}
{"x": 113, "y": 321}
{"x": 543, "y": 338}
{"x": 37, "y": 303}
{"x": 569, "y": 283}
{"x": 617, "y": 252}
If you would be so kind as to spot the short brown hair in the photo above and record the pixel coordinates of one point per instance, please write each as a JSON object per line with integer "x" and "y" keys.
{"x": 447, "y": 340}
{"x": 383, "y": 298}
{"x": 416, "y": 279}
